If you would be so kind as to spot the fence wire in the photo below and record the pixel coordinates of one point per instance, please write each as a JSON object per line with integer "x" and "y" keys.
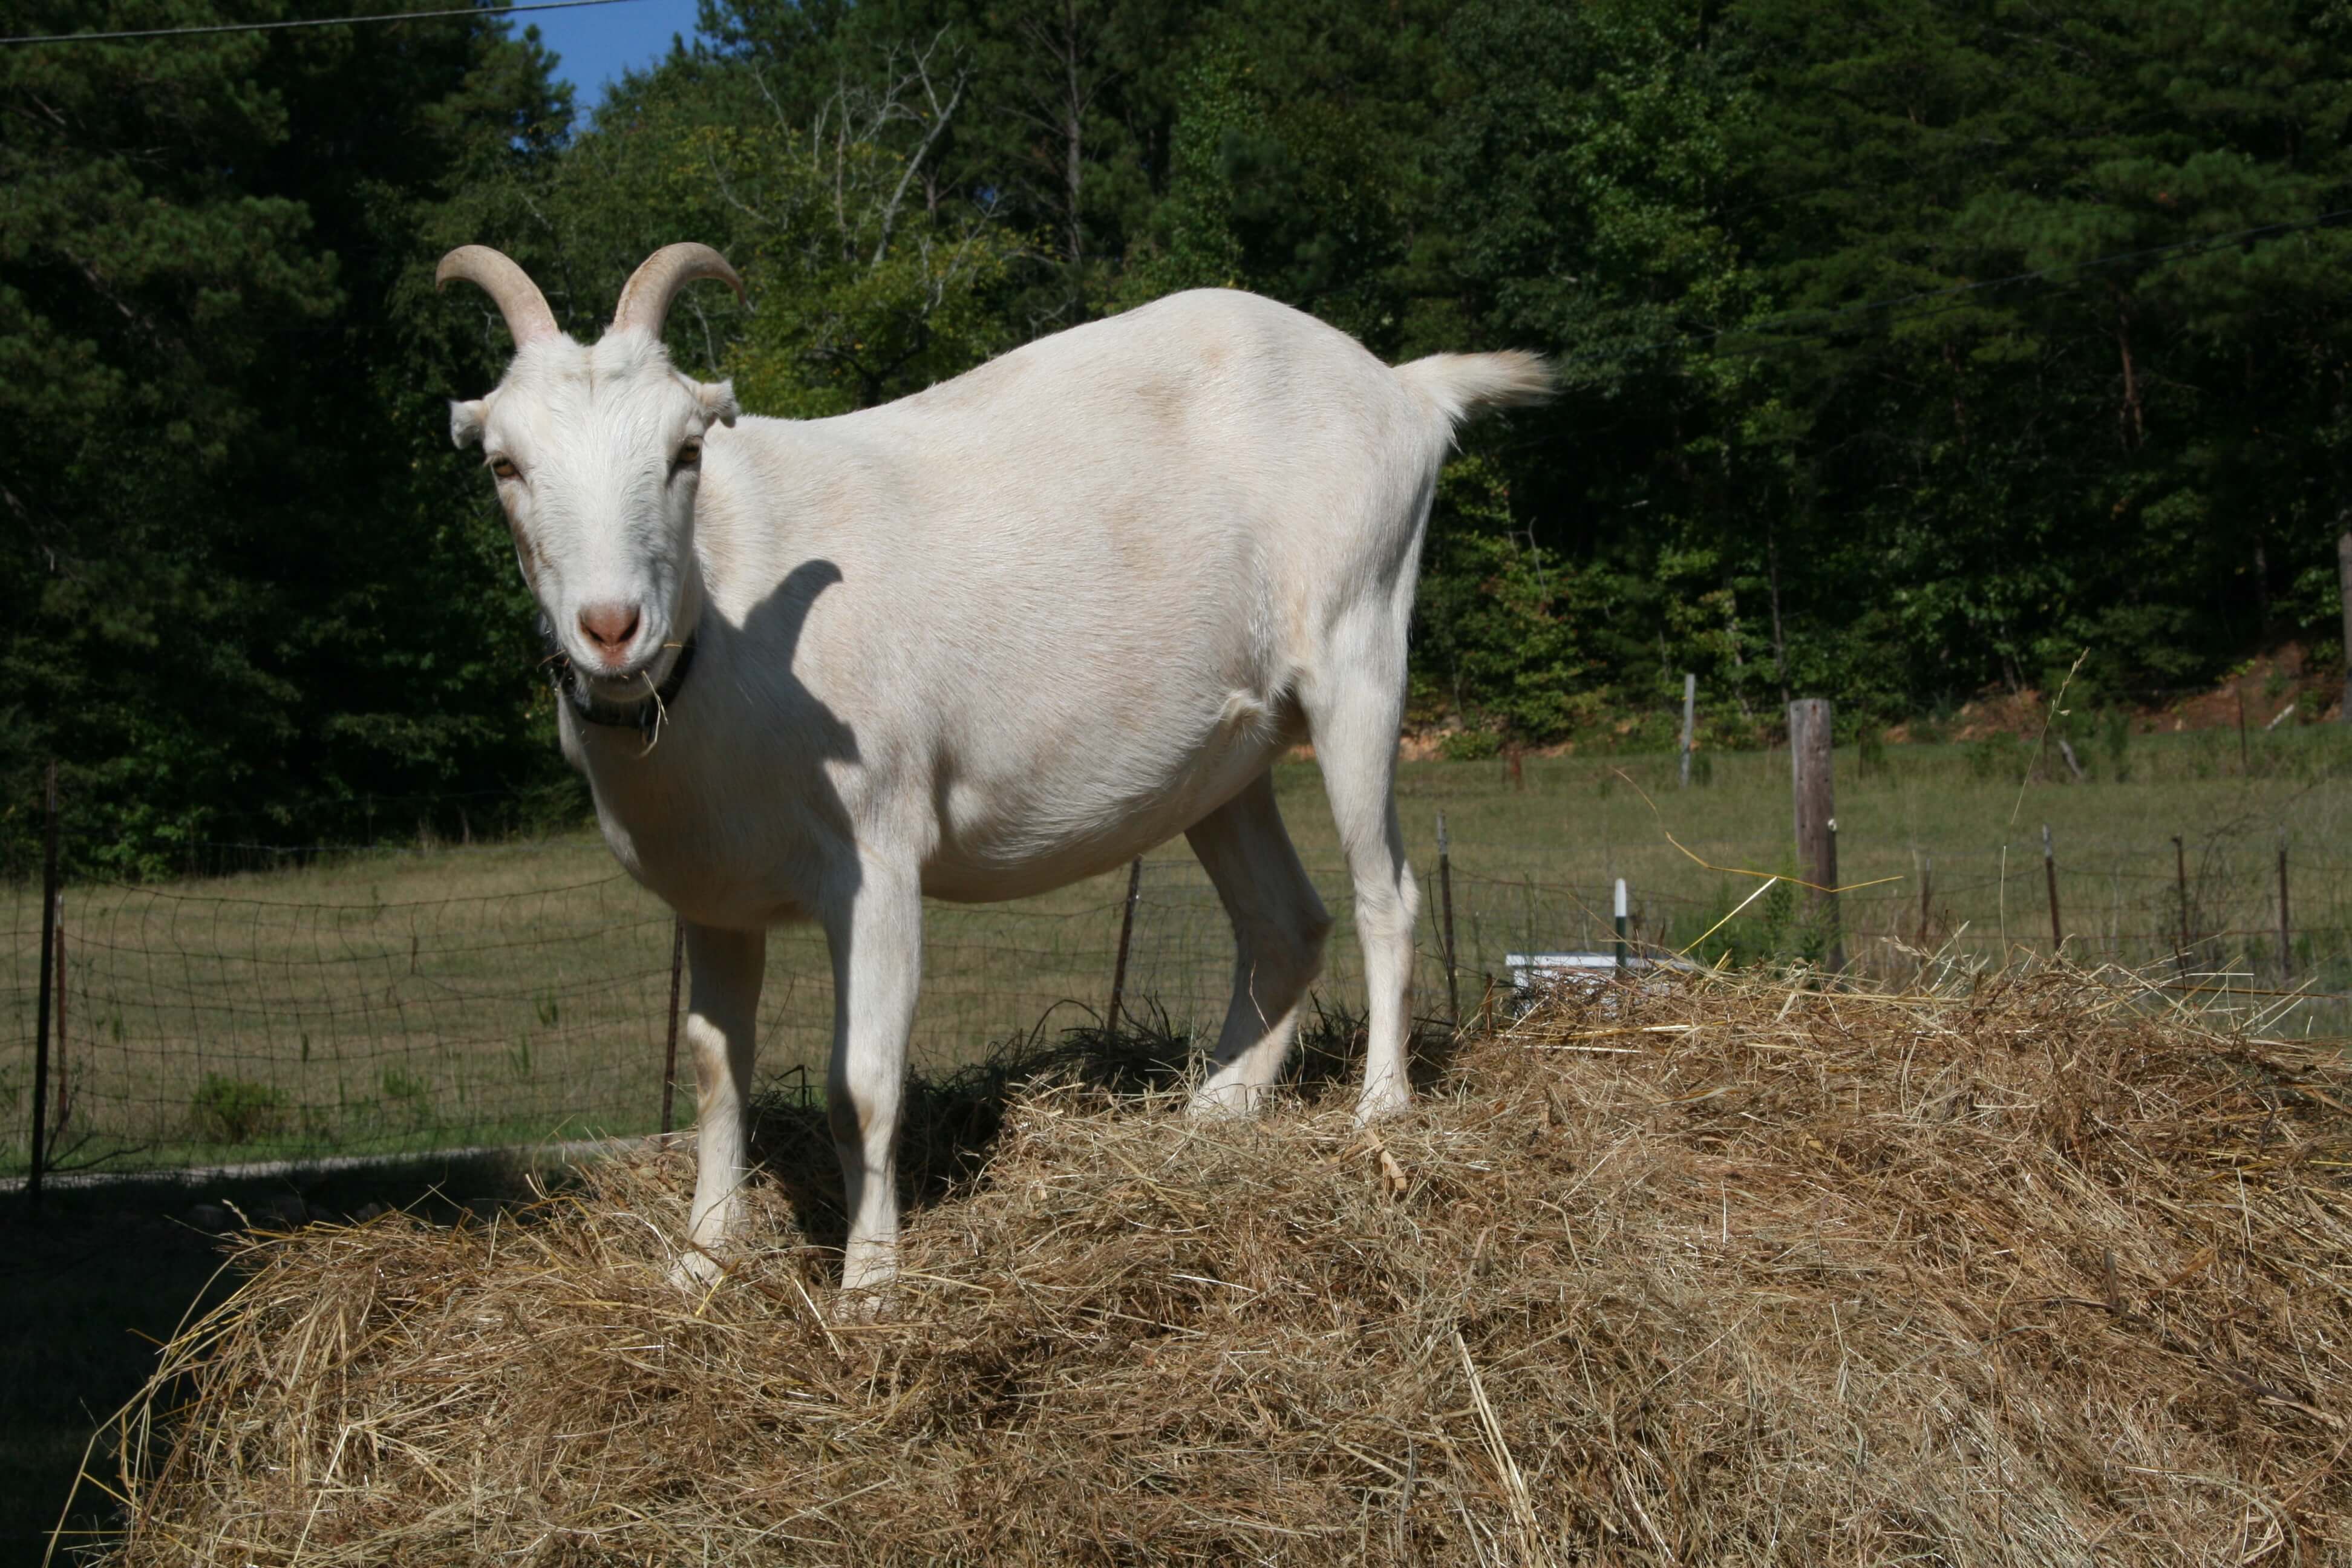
{"x": 238, "y": 1020}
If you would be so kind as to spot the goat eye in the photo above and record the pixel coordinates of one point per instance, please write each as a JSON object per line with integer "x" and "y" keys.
{"x": 687, "y": 452}
{"x": 504, "y": 468}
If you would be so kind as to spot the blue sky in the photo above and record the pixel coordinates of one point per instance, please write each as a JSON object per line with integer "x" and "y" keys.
{"x": 599, "y": 42}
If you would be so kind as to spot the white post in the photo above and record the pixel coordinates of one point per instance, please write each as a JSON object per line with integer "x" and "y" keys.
{"x": 1621, "y": 924}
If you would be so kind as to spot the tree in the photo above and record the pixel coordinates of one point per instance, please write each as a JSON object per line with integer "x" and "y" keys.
{"x": 216, "y": 606}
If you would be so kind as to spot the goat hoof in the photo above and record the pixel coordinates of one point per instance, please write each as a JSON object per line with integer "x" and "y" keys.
{"x": 696, "y": 1270}
{"x": 863, "y": 1304}
{"x": 1225, "y": 1102}
{"x": 1382, "y": 1102}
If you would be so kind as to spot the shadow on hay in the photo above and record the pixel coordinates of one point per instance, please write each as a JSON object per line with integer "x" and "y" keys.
{"x": 950, "y": 1124}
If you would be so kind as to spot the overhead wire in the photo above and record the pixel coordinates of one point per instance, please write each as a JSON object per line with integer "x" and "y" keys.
{"x": 306, "y": 22}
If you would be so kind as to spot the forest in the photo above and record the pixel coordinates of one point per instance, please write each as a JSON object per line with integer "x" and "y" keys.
{"x": 1912, "y": 350}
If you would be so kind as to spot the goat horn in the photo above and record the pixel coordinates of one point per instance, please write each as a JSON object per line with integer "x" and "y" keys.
{"x": 508, "y": 287}
{"x": 645, "y": 302}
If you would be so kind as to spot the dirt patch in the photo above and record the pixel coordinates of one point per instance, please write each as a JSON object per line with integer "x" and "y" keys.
{"x": 2278, "y": 687}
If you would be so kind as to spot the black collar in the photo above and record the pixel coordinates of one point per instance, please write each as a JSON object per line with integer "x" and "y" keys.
{"x": 645, "y": 715}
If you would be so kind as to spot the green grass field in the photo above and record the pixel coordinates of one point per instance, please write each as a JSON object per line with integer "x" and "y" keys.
{"x": 428, "y": 998}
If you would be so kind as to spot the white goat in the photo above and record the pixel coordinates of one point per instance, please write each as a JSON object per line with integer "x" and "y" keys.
{"x": 974, "y": 645}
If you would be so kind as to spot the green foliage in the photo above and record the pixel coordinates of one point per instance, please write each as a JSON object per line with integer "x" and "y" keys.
{"x": 409, "y": 1098}
{"x": 1928, "y": 501}
{"x": 1504, "y": 629}
{"x": 239, "y": 584}
{"x": 1745, "y": 929}
{"x": 226, "y": 1110}
{"x": 1194, "y": 243}
{"x": 1470, "y": 745}
{"x": 1870, "y": 751}
{"x": 402, "y": 1086}
{"x": 249, "y": 591}
{"x": 2115, "y": 741}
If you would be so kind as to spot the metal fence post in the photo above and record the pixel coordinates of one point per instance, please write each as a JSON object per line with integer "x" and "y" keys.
{"x": 48, "y": 961}
{"x": 1446, "y": 913}
{"x": 2050, "y": 871}
{"x": 60, "y": 1033}
{"x": 670, "y": 1060}
{"x": 2181, "y": 882}
{"x": 1126, "y": 936}
{"x": 1620, "y": 913}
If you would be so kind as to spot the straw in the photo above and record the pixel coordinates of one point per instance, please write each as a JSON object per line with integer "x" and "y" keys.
{"x": 2008, "y": 1268}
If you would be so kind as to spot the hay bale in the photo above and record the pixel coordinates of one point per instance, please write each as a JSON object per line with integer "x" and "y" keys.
{"x": 1728, "y": 1273}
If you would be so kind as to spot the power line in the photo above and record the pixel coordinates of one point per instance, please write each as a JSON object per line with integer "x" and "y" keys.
{"x": 310, "y": 22}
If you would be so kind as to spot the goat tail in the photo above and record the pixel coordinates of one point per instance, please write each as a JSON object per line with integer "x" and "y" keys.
{"x": 1462, "y": 384}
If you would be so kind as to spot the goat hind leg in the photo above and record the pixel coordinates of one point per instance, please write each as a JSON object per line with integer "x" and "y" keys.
{"x": 876, "y": 936}
{"x": 1279, "y": 925}
{"x": 1355, "y": 726}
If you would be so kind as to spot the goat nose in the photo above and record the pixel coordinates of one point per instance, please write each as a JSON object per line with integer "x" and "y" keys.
{"x": 609, "y": 627}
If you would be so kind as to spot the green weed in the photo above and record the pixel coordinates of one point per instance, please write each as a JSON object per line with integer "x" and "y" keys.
{"x": 226, "y": 1110}
{"x": 1470, "y": 746}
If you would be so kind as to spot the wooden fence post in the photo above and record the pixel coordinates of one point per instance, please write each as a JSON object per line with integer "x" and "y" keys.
{"x": 669, "y": 1059}
{"x": 1126, "y": 935}
{"x": 1816, "y": 798}
{"x": 2050, "y": 870}
{"x": 48, "y": 961}
{"x": 1446, "y": 915}
{"x": 1690, "y": 717}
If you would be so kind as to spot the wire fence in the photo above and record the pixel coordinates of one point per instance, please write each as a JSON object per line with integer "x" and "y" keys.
{"x": 304, "y": 1014}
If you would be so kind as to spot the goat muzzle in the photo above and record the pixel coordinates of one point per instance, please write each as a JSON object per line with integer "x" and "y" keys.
{"x": 610, "y": 629}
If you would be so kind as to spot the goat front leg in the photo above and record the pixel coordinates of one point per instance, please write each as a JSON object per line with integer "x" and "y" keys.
{"x": 728, "y": 967}
{"x": 875, "y": 929}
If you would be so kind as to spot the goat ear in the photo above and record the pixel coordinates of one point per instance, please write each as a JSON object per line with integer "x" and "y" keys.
{"x": 719, "y": 401}
{"x": 465, "y": 423}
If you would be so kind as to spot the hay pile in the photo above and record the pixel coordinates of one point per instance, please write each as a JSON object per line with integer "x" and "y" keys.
{"x": 1728, "y": 1273}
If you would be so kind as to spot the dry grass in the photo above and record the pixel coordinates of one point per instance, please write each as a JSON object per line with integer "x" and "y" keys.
{"x": 2008, "y": 1270}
